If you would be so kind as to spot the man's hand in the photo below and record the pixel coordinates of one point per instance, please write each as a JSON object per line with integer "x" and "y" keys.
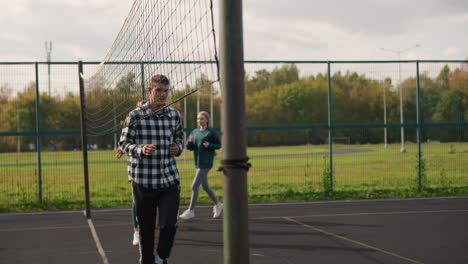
{"x": 173, "y": 150}
{"x": 148, "y": 149}
{"x": 191, "y": 138}
{"x": 206, "y": 144}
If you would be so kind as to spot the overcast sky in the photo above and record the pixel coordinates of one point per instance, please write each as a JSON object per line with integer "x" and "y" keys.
{"x": 273, "y": 30}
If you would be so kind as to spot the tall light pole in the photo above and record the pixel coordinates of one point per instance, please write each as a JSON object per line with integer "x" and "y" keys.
{"x": 399, "y": 52}
{"x": 48, "y": 49}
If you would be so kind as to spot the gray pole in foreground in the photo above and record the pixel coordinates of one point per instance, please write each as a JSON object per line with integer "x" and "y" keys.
{"x": 84, "y": 143}
{"x": 235, "y": 224}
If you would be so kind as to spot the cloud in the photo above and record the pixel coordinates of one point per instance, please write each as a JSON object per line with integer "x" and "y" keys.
{"x": 354, "y": 30}
{"x": 89, "y": 4}
{"x": 288, "y": 37}
{"x": 458, "y": 19}
{"x": 452, "y": 52}
{"x": 280, "y": 29}
{"x": 93, "y": 25}
{"x": 358, "y": 16}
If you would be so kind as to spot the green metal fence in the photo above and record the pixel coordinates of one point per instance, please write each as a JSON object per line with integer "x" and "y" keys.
{"x": 313, "y": 126}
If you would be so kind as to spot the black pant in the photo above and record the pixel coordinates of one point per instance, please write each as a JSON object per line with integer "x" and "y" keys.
{"x": 147, "y": 203}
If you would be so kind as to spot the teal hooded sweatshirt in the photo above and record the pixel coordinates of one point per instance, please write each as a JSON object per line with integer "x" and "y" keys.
{"x": 202, "y": 156}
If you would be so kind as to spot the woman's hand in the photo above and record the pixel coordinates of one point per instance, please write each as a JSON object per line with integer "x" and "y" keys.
{"x": 119, "y": 153}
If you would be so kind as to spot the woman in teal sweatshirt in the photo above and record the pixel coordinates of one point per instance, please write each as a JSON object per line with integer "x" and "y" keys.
{"x": 203, "y": 141}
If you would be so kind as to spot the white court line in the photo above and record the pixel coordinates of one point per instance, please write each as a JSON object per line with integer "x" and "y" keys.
{"x": 352, "y": 241}
{"x": 57, "y": 227}
{"x": 42, "y": 228}
{"x": 98, "y": 243}
{"x": 104, "y": 210}
{"x": 363, "y": 214}
{"x": 251, "y": 218}
{"x": 361, "y": 201}
{"x": 7, "y": 214}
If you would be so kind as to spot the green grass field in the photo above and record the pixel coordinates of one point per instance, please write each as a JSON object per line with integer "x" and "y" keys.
{"x": 278, "y": 174}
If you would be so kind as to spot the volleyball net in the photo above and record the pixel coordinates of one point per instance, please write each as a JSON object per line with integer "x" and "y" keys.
{"x": 173, "y": 38}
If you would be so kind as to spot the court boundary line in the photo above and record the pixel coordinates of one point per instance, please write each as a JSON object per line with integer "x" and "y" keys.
{"x": 43, "y": 228}
{"x": 58, "y": 227}
{"x": 98, "y": 210}
{"x": 351, "y": 240}
{"x": 360, "y": 200}
{"x": 253, "y": 218}
{"x": 101, "y": 251}
{"x": 363, "y": 214}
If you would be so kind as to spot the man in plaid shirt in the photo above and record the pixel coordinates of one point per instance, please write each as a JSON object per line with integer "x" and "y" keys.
{"x": 152, "y": 137}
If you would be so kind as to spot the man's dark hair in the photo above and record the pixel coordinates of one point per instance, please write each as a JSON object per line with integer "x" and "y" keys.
{"x": 159, "y": 79}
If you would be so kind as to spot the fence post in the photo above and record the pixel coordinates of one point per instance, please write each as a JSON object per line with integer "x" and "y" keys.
{"x": 38, "y": 136}
{"x": 330, "y": 123}
{"x": 142, "y": 66}
{"x": 84, "y": 143}
{"x": 418, "y": 126}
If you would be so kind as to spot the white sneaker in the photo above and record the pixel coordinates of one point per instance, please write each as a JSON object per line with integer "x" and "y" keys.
{"x": 136, "y": 238}
{"x": 187, "y": 214}
{"x": 158, "y": 260}
{"x": 217, "y": 210}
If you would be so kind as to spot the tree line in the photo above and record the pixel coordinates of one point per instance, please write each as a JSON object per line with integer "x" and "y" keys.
{"x": 284, "y": 107}
{"x": 281, "y": 98}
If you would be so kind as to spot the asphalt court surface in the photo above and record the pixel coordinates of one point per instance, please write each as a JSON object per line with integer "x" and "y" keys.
{"x": 427, "y": 230}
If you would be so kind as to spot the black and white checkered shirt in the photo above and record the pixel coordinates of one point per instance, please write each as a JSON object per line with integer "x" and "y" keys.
{"x": 142, "y": 127}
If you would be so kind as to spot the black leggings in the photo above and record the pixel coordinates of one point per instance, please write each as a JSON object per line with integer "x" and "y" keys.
{"x": 148, "y": 202}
